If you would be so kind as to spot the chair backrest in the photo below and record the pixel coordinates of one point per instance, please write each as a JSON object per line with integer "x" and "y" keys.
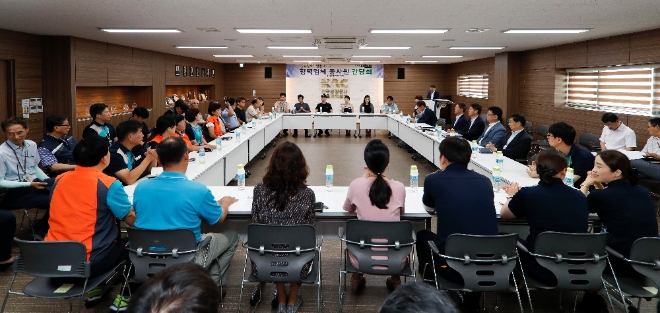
{"x": 528, "y": 127}
{"x": 441, "y": 122}
{"x": 361, "y": 235}
{"x": 590, "y": 141}
{"x": 52, "y": 259}
{"x": 483, "y": 117}
{"x": 488, "y": 261}
{"x": 647, "y": 250}
{"x": 151, "y": 251}
{"x": 543, "y": 130}
{"x": 577, "y": 260}
{"x": 281, "y": 251}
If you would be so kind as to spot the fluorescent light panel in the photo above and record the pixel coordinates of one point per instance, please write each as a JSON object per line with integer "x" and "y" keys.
{"x": 141, "y": 30}
{"x": 301, "y": 56}
{"x": 547, "y": 31}
{"x": 293, "y": 47}
{"x": 384, "y": 48}
{"x": 307, "y": 61}
{"x": 372, "y": 56}
{"x": 442, "y": 56}
{"x": 273, "y": 31}
{"x": 422, "y": 61}
{"x": 408, "y": 31}
{"x": 201, "y": 47}
{"x": 476, "y": 48}
{"x": 232, "y": 55}
{"x": 366, "y": 61}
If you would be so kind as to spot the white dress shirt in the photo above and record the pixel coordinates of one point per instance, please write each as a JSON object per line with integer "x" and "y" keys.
{"x": 619, "y": 139}
{"x": 456, "y": 120}
{"x": 652, "y": 145}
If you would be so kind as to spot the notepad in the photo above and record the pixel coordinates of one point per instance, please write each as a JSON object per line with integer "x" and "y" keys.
{"x": 64, "y": 288}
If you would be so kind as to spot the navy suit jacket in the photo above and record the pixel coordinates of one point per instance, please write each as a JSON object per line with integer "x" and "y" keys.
{"x": 436, "y": 95}
{"x": 475, "y": 131}
{"x": 463, "y": 202}
{"x": 519, "y": 146}
{"x": 461, "y": 125}
{"x": 495, "y": 134}
{"x": 428, "y": 117}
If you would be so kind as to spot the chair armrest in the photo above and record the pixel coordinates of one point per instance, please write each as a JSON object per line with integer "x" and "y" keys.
{"x": 615, "y": 254}
{"x": 205, "y": 242}
{"x": 245, "y": 242}
{"x": 434, "y": 248}
{"x": 414, "y": 236}
{"x": 341, "y": 232}
{"x": 319, "y": 242}
{"x": 522, "y": 247}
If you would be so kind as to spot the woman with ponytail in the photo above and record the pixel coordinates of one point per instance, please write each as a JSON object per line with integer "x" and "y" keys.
{"x": 548, "y": 206}
{"x": 626, "y": 209}
{"x": 375, "y": 198}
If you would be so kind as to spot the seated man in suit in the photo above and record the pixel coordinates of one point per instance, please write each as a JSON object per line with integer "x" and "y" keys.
{"x": 425, "y": 115}
{"x": 461, "y": 123}
{"x": 463, "y": 203}
{"x": 476, "y": 124}
{"x": 518, "y": 142}
{"x": 649, "y": 166}
{"x": 495, "y": 132}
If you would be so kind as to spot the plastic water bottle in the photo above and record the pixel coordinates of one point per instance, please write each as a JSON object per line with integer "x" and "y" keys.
{"x": 329, "y": 177}
{"x": 475, "y": 149}
{"x": 254, "y": 124}
{"x": 361, "y": 109}
{"x": 407, "y": 119}
{"x": 244, "y": 127}
{"x": 438, "y": 130}
{"x": 569, "y": 180}
{"x": 497, "y": 177}
{"x": 270, "y": 116}
{"x": 218, "y": 144}
{"x": 238, "y": 135}
{"x": 240, "y": 177}
{"x": 202, "y": 155}
{"x": 414, "y": 178}
{"x": 499, "y": 159}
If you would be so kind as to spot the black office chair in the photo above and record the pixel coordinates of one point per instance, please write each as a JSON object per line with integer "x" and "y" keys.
{"x": 441, "y": 122}
{"x": 589, "y": 141}
{"x": 645, "y": 260}
{"x": 485, "y": 263}
{"x": 380, "y": 248}
{"x": 542, "y": 144}
{"x": 61, "y": 271}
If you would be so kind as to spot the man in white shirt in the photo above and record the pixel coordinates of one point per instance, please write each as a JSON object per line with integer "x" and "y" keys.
{"x": 650, "y": 166}
{"x": 255, "y": 110}
{"x": 616, "y": 135}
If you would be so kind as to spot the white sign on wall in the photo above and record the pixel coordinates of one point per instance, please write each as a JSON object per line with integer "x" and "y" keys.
{"x": 336, "y": 81}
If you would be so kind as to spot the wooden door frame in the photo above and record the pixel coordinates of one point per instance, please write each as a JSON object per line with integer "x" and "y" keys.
{"x": 11, "y": 87}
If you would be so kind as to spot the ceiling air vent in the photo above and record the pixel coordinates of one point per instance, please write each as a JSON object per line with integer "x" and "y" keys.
{"x": 335, "y": 60}
{"x": 339, "y": 46}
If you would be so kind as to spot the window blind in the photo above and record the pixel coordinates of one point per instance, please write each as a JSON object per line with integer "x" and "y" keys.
{"x": 625, "y": 90}
{"x": 473, "y": 86}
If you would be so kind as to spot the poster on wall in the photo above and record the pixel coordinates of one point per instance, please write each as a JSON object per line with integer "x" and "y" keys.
{"x": 25, "y": 106}
{"x": 336, "y": 81}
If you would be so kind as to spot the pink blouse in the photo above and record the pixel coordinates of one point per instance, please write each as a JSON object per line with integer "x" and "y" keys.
{"x": 358, "y": 200}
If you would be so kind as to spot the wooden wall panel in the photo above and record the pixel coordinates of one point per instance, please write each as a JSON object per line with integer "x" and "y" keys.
{"x": 418, "y": 78}
{"x": 26, "y": 53}
{"x": 143, "y": 67}
{"x": 608, "y": 51}
{"x": 645, "y": 47}
{"x": 120, "y": 65}
{"x": 538, "y": 59}
{"x": 240, "y": 81}
{"x": 59, "y": 77}
{"x": 572, "y": 55}
{"x": 90, "y": 59}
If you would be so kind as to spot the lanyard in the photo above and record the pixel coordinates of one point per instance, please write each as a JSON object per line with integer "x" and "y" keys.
{"x": 20, "y": 167}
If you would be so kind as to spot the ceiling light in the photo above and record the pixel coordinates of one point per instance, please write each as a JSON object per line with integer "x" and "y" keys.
{"x": 293, "y": 47}
{"x": 384, "y": 48}
{"x": 372, "y": 56}
{"x": 425, "y": 61}
{"x": 476, "y": 48}
{"x": 201, "y": 47}
{"x": 250, "y": 61}
{"x": 273, "y": 31}
{"x": 365, "y": 61}
{"x": 301, "y": 56}
{"x": 232, "y": 55}
{"x": 547, "y": 31}
{"x": 141, "y": 30}
{"x": 307, "y": 61}
{"x": 442, "y": 56}
{"x": 477, "y": 30}
{"x": 408, "y": 31}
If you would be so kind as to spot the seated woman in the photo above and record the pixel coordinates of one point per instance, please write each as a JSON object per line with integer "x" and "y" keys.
{"x": 346, "y": 107}
{"x": 375, "y": 198}
{"x": 625, "y": 208}
{"x": 194, "y": 128}
{"x": 213, "y": 121}
{"x": 165, "y": 127}
{"x": 180, "y": 131}
{"x": 367, "y": 107}
{"x": 549, "y": 206}
{"x": 284, "y": 199}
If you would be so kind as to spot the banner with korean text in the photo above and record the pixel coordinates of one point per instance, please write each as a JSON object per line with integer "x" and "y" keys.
{"x": 336, "y": 81}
